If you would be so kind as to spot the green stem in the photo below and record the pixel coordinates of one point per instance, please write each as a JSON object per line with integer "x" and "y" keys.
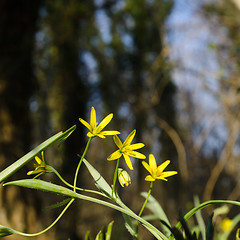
{"x": 79, "y": 164}
{"x": 70, "y": 185}
{"x": 115, "y": 179}
{"x": 144, "y": 205}
{"x": 50, "y": 226}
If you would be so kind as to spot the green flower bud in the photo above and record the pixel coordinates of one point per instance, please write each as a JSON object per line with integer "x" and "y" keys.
{"x": 123, "y": 177}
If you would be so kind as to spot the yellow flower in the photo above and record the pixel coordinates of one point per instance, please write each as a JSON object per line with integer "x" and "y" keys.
{"x": 95, "y": 128}
{"x": 157, "y": 172}
{"x": 40, "y": 167}
{"x": 126, "y": 149}
{"x": 123, "y": 177}
{"x": 226, "y": 224}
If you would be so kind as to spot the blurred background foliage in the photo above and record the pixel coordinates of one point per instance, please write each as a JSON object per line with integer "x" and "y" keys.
{"x": 169, "y": 69}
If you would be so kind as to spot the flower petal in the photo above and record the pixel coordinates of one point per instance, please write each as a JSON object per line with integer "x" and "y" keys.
{"x": 135, "y": 154}
{"x": 117, "y": 141}
{"x": 152, "y": 162}
{"x": 85, "y": 124}
{"x": 38, "y": 160}
{"x": 168, "y": 174}
{"x": 147, "y": 167}
{"x": 163, "y": 166}
{"x": 105, "y": 122}
{"x": 110, "y": 133}
{"x": 93, "y": 121}
{"x": 128, "y": 161}
{"x": 101, "y": 135}
{"x": 135, "y": 146}
{"x": 149, "y": 178}
{"x": 129, "y": 138}
{"x": 115, "y": 155}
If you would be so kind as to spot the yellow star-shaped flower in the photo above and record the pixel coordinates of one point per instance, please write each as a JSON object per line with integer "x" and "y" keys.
{"x": 95, "y": 128}
{"x": 40, "y": 167}
{"x": 126, "y": 149}
{"x": 157, "y": 172}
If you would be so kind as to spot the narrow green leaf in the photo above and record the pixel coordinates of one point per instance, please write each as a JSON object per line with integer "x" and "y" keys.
{"x": 87, "y": 235}
{"x": 129, "y": 226}
{"x": 99, "y": 236}
{"x": 109, "y": 231}
{"x": 57, "y": 205}
{"x": 100, "y": 181}
{"x": 199, "y": 218}
{"x": 7, "y": 172}
{"x": 4, "y": 231}
{"x": 44, "y": 186}
{"x": 154, "y": 206}
{"x": 238, "y": 234}
{"x": 210, "y": 229}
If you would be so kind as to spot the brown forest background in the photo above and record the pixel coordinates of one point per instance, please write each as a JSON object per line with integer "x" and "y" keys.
{"x": 58, "y": 58}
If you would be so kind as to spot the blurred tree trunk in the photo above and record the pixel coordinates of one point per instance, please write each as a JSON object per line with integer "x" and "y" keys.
{"x": 67, "y": 95}
{"x": 17, "y": 85}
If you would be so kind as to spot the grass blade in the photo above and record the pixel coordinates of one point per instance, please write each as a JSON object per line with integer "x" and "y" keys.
{"x": 7, "y": 172}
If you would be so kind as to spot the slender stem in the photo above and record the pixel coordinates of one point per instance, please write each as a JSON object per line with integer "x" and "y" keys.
{"x": 79, "y": 164}
{"x": 70, "y": 185}
{"x": 144, "y": 205}
{"x": 50, "y": 226}
{"x": 115, "y": 179}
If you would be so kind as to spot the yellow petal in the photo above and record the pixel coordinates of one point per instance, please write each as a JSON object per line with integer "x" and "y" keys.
{"x": 105, "y": 121}
{"x": 136, "y": 154}
{"x": 168, "y": 174}
{"x": 149, "y": 178}
{"x": 147, "y": 167}
{"x": 101, "y": 135}
{"x": 129, "y": 138}
{"x": 85, "y": 124}
{"x": 135, "y": 146}
{"x": 107, "y": 133}
{"x": 115, "y": 155}
{"x": 152, "y": 162}
{"x": 128, "y": 161}
{"x": 117, "y": 141}
{"x": 93, "y": 121}
{"x": 30, "y": 172}
{"x": 38, "y": 160}
{"x": 163, "y": 166}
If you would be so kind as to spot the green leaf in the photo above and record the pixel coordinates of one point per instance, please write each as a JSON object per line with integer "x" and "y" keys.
{"x": 99, "y": 236}
{"x": 129, "y": 226}
{"x": 7, "y": 172}
{"x": 87, "y": 235}
{"x": 210, "y": 229}
{"x": 4, "y": 231}
{"x": 154, "y": 206}
{"x": 238, "y": 234}
{"x": 199, "y": 218}
{"x": 44, "y": 186}
{"x": 100, "y": 181}
{"x": 57, "y": 205}
{"x": 105, "y": 234}
{"x": 109, "y": 231}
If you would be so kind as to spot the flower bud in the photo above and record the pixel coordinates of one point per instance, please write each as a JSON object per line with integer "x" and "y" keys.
{"x": 123, "y": 177}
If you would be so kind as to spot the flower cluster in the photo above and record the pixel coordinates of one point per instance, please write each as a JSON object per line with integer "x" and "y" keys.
{"x": 127, "y": 150}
